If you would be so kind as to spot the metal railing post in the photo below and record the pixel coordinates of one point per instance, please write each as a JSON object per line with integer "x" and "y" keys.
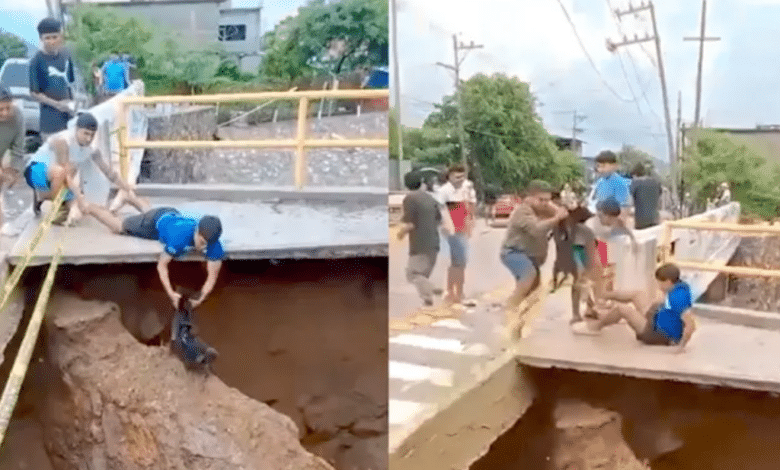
{"x": 301, "y": 164}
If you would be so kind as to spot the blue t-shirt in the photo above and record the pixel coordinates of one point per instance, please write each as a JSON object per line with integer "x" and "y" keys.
{"x": 176, "y": 232}
{"x": 668, "y": 320}
{"x": 115, "y": 74}
{"x": 615, "y": 186}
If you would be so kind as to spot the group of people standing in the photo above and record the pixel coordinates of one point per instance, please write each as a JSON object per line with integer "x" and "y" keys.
{"x": 586, "y": 224}
{"x": 68, "y": 154}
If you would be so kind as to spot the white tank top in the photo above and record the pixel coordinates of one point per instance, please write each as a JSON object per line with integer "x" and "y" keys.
{"x": 77, "y": 154}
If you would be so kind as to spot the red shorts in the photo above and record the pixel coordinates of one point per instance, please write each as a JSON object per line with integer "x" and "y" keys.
{"x": 601, "y": 248}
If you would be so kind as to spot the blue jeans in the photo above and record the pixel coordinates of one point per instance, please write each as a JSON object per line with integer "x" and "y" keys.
{"x": 458, "y": 250}
{"x": 519, "y": 264}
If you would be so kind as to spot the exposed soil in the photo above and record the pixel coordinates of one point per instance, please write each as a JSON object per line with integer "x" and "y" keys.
{"x": 755, "y": 293}
{"x": 308, "y": 338}
{"x": 594, "y": 421}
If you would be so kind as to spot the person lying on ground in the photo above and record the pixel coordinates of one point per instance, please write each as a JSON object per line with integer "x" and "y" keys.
{"x": 59, "y": 160}
{"x": 525, "y": 246}
{"x": 178, "y": 233}
{"x": 669, "y": 322}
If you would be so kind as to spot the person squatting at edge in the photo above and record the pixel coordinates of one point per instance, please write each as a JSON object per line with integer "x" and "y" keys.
{"x": 58, "y": 161}
{"x": 12, "y": 133}
{"x": 178, "y": 233}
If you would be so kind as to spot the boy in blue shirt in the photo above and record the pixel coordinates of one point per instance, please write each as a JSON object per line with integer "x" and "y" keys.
{"x": 664, "y": 323}
{"x": 178, "y": 233}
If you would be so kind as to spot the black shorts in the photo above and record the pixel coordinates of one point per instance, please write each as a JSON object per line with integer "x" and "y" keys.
{"x": 653, "y": 337}
{"x": 145, "y": 225}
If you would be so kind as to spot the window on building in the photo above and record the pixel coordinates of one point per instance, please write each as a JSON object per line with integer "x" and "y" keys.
{"x": 232, "y": 32}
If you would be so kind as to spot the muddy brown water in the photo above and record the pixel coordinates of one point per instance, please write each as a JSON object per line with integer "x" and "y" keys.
{"x": 721, "y": 429}
{"x": 286, "y": 332}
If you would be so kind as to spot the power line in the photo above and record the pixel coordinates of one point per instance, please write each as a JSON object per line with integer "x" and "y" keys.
{"x": 587, "y": 54}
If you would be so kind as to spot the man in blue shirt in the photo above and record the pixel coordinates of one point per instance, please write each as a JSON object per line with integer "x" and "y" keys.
{"x": 115, "y": 75}
{"x": 666, "y": 323}
{"x": 178, "y": 233}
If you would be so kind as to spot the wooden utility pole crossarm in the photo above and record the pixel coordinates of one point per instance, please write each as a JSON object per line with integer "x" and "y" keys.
{"x": 455, "y": 67}
{"x": 611, "y": 46}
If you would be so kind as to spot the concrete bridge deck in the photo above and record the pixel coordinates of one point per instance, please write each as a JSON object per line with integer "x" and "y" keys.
{"x": 272, "y": 223}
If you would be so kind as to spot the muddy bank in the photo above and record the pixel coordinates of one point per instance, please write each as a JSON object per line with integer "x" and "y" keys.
{"x": 755, "y": 293}
{"x": 589, "y": 421}
{"x": 307, "y": 338}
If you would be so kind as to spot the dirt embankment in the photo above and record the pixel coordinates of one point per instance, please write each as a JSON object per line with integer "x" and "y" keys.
{"x": 755, "y": 293}
{"x": 303, "y": 356}
{"x": 584, "y": 421}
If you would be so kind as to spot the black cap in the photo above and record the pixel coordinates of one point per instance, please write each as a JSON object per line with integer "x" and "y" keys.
{"x": 609, "y": 207}
{"x": 86, "y": 121}
{"x": 210, "y": 228}
{"x": 49, "y": 26}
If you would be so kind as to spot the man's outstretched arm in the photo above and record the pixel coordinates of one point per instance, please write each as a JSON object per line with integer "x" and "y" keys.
{"x": 212, "y": 268}
{"x": 112, "y": 176}
{"x": 162, "y": 271}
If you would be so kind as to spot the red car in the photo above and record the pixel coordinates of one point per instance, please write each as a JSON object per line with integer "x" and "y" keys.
{"x": 502, "y": 209}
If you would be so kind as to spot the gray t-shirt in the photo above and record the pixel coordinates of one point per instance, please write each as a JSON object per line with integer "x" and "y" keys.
{"x": 52, "y": 76}
{"x": 646, "y": 192}
{"x": 424, "y": 212}
{"x": 12, "y": 139}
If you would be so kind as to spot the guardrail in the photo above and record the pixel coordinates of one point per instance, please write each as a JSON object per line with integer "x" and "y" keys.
{"x": 667, "y": 256}
{"x": 300, "y": 143}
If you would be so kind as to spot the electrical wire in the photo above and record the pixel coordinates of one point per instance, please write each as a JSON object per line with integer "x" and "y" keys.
{"x": 587, "y": 54}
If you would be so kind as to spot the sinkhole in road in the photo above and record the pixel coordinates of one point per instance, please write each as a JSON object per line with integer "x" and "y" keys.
{"x": 588, "y": 421}
{"x": 307, "y": 337}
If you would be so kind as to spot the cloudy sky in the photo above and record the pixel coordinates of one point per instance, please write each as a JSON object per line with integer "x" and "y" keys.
{"x": 533, "y": 40}
{"x": 22, "y": 20}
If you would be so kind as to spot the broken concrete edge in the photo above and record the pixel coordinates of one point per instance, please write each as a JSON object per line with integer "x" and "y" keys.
{"x": 453, "y": 417}
{"x": 738, "y": 316}
{"x": 368, "y": 250}
{"x": 253, "y": 193}
{"x": 683, "y": 377}
{"x": 11, "y": 316}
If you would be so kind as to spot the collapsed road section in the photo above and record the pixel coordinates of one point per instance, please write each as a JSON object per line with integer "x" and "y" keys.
{"x": 302, "y": 346}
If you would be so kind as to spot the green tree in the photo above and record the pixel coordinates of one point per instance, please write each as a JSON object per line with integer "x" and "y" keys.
{"x": 629, "y": 156}
{"x": 329, "y": 37}
{"x": 715, "y": 157}
{"x": 11, "y": 47}
{"x": 506, "y": 141}
{"x": 164, "y": 64}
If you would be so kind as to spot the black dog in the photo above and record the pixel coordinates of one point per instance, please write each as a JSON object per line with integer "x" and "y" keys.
{"x": 194, "y": 353}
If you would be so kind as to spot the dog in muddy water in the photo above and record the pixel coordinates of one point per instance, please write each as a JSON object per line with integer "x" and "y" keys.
{"x": 194, "y": 353}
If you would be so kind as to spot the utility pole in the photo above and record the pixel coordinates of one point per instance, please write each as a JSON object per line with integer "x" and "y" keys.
{"x": 701, "y": 40}
{"x": 397, "y": 94}
{"x": 574, "y": 129}
{"x": 611, "y": 46}
{"x": 678, "y": 144}
{"x": 457, "y": 47}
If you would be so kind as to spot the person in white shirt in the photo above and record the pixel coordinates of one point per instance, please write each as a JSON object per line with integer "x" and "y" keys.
{"x": 459, "y": 197}
{"x": 58, "y": 162}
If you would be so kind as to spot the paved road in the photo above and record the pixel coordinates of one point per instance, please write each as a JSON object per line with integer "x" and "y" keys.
{"x": 484, "y": 272}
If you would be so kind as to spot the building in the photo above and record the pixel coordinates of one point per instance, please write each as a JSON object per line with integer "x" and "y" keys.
{"x": 568, "y": 143}
{"x": 200, "y": 22}
{"x": 764, "y": 140}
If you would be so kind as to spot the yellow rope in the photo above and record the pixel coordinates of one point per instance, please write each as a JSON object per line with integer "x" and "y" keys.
{"x": 43, "y": 228}
{"x": 14, "y": 384}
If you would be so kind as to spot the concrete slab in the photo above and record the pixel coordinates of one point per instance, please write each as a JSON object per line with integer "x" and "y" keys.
{"x": 244, "y": 193}
{"x": 251, "y": 231}
{"x": 719, "y": 354}
{"x": 739, "y": 316}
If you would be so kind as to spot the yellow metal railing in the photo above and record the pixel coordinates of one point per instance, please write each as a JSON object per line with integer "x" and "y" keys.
{"x": 300, "y": 143}
{"x": 665, "y": 246}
